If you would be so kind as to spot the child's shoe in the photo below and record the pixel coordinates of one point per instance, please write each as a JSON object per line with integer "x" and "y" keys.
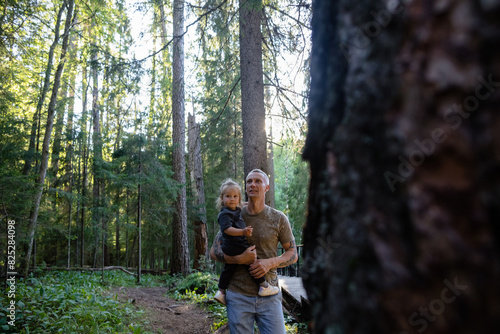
{"x": 220, "y": 297}
{"x": 270, "y": 290}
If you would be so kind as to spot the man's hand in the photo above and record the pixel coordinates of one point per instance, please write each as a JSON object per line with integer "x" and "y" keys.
{"x": 247, "y": 257}
{"x": 260, "y": 267}
{"x": 216, "y": 253}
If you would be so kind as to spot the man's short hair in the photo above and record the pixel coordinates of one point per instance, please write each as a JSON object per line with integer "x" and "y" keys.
{"x": 266, "y": 178}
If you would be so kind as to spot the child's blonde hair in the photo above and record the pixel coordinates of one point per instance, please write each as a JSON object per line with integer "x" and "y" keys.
{"x": 228, "y": 183}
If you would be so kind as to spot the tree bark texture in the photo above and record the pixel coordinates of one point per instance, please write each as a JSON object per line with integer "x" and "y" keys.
{"x": 48, "y": 132}
{"x": 196, "y": 172}
{"x": 402, "y": 232}
{"x": 180, "y": 251}
{"x": 253, "y": 112}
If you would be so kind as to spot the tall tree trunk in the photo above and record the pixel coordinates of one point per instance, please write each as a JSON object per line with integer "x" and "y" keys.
{"x": 236, "y": 148}
{"x": 270, "y": 161}
{"x": 196, "y": 172}
{"x": 133, "y": 256}
{"x": 83, "y": 212}
{"x": 165, "y": 116}
{"x": 69, "y": 179}
{"x": 48, "y": 131}
{"x": 107, "y": 105}
{"x": 28, "y": 160}
{"x": 127, "y": 250}
{"x": 78, "y": 205}
{"x": 58, "y": 131}
{"x": 117, "y": 256}
{"x": 180, "y": 250}
{"x": 84, "y": 154}
{"x": 43, "y": 93}
{"x": 104, "y": 223}
{"x": 69, "y": 134}
{"x": 97, "y": 161}
{"x": 402, "y": 231}
{"x": 118, "y": 192}
{"x": 139, "y": 220}
{"x": 69, "y": 232}
{"x": 253, "y": 111}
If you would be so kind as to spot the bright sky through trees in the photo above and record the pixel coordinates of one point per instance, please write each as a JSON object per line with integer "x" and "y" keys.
{"x": 290, "y": 71}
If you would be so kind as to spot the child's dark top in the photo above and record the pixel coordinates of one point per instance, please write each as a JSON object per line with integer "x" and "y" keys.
{"x": 232, "y": 245}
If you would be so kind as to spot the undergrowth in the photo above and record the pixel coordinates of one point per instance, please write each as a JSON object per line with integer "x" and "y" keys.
{"x": 199, "y": 288}
{"x": 70, "y": 302}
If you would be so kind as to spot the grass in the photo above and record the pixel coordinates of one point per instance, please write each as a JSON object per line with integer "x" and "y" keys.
{"x": 69, "y": 302}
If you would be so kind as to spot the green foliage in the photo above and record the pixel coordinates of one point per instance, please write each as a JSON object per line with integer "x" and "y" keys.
{"x": 199, "y": 288}
{"x": 122, "y": 279}
{"x": 197, "y": 282}
{"x": 293, "y": 327}
{"x": 292, "y": 183}
{"x": 68, "y": 302}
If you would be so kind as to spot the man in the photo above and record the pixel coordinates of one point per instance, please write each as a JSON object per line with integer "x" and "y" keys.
{"x": 270, "y": 226}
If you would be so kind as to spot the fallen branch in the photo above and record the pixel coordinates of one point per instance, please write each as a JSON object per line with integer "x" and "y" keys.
{"x": 89, "y": 269}
{"x": 168, "y": 308}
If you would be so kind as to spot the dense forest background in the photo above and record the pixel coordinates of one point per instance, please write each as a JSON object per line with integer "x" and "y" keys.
{"x": 87, "y": 134}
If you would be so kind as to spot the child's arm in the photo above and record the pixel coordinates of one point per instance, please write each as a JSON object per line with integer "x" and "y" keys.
{"x": 235, "y": 232}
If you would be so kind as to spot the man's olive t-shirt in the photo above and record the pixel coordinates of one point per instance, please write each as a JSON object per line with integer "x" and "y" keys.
{"x": 270, "y": 227}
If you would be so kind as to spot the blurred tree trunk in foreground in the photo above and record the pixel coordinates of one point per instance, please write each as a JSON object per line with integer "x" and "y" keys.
{"x": 402, "y": 233}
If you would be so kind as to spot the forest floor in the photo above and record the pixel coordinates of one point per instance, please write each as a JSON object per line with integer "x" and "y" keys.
{"x": 163, "y": 314}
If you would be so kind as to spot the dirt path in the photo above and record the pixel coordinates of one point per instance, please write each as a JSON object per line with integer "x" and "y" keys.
{"x": 166, "y": 315}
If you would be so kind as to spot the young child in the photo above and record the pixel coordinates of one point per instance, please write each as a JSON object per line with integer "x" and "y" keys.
{"x": 234, "y": 231}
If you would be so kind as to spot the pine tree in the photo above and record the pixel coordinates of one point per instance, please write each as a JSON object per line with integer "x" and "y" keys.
{"x": 180, "y": 251}
{"x": 252, "y": 88}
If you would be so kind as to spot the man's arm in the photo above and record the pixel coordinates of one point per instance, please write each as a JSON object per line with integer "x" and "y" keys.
{"x": 216, "y": 253}
{"x": 290, "y": 255}
{"x": 261, "y": 266}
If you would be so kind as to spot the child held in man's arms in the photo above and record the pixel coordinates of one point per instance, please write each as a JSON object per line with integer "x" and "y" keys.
{"x": 234, "y": 231}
